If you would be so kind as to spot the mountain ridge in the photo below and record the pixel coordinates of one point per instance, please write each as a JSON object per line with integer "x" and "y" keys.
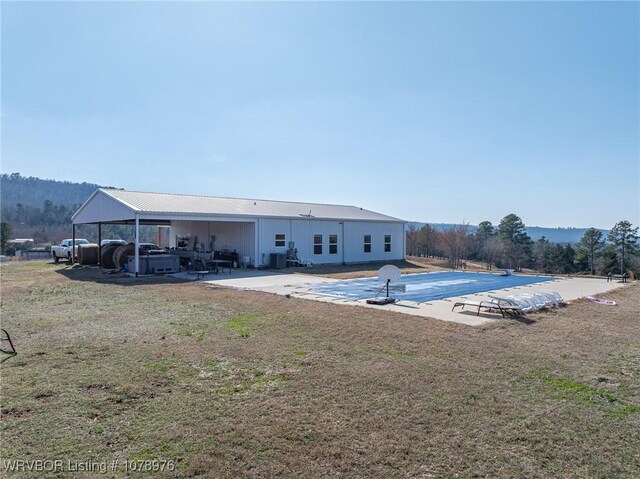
{"x": 33, "y": 191}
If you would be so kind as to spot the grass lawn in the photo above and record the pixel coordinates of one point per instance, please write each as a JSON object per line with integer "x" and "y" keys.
{"x": 228, "y": 383}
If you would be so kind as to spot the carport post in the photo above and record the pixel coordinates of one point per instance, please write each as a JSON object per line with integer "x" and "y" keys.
{"x": 343, "y": 242}
{"x": 100, "y": 245}
{"x": 73, "y": 243}
{"x": 137, "y": 253}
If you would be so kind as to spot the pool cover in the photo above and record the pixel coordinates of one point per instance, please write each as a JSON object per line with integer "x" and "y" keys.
{"x": 427, "y": 286}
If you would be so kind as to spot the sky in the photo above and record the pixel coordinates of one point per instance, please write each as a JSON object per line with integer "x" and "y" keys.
{"x": 427, "y": 111}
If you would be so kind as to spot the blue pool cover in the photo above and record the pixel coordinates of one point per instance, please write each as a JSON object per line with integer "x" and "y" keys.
{"x": 427, "y": 286}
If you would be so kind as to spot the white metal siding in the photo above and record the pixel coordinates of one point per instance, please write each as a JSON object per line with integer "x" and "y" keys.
{"x": 267, "y": 235}
{"x": 325, "y": 228}
{"x": 354, "y": 239}
{"x": 103, "y": 208}
{"x": 228, "y": 235}
{"x": 350, "y": 248}
{"x": 301, "y": 232}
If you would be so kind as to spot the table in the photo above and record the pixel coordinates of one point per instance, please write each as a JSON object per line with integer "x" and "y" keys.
{"x": 218, "y": 264}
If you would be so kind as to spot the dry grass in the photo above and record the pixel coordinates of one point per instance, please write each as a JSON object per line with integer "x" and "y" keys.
{"x": 244, "y": 384}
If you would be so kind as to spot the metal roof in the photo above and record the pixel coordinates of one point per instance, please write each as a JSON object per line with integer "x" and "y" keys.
{"x": 167, "y": 204}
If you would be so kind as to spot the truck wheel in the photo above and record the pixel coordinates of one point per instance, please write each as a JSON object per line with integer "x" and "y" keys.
{"x": 69, "y": 258}
{"x": 55, "y": 259}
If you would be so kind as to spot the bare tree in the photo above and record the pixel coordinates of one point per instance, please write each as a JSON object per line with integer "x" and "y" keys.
{"x": 491, "y": 250}
{"x": 428, "y": 240}
{"x": 413, "y": 240}
{"x": 453, "y": 241}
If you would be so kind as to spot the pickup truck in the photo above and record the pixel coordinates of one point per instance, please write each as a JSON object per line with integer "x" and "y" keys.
{"x": 63, "y": 250}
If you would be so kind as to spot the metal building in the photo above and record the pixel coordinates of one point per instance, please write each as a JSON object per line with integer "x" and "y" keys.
{"x": 321, "y": 233}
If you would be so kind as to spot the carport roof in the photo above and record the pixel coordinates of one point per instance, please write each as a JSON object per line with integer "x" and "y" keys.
{"x": 166, "y": 205}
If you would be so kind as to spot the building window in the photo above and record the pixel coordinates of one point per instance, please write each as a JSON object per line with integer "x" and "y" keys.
{"x": 333, "y": 244}
{"x": 387, "y": 243}
{"x": 367, "y": 243}
{"x": 280, "y": 240}
{"x": 317, "y": 244}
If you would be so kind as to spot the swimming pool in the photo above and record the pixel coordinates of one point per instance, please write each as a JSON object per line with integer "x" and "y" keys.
{"x": 424, "y": 287}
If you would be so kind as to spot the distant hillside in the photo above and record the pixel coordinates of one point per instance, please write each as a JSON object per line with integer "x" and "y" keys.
{"x": 559, "y": 235}
{"x": 31, "y": 191}
{"x": 555, "y": 235}
{"x": 42, "y": 210}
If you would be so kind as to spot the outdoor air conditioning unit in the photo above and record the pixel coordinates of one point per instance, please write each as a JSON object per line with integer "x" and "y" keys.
{"x": 278, "y": 261}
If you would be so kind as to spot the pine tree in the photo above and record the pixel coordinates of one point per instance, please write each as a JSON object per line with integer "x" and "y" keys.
{"x": 515, "y": 241}
{"x": 591, "y": 245}
{"x": 6, "y": 233}
{"x": 624, "y": 238}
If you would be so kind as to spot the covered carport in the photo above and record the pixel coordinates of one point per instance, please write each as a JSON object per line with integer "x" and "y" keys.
{"x": 184, "y": 215}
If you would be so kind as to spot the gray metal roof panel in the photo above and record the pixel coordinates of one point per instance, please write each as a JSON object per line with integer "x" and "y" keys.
{"x": 169, "y": 203}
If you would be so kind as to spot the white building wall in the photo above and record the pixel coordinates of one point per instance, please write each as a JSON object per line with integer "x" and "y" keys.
{"x": 350, "y": 236}
{"x": 228, "y": 235}
{"x": 257, "y": 240}
{"x": 267, "y": 230}
{"x": 103, "y": 208}
{"x": 326, "y": 228}
{"x": 302, "y": 233}
{"x": 355, "y": 232}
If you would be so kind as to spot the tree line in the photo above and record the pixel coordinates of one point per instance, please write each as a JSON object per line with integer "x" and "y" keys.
{"x": 509, "y": 246}
{"x": 44, "y": 236}
{"x": 32, "y": 191}
{"x": 52, "y": 223}
{"x": 49, "y": 214}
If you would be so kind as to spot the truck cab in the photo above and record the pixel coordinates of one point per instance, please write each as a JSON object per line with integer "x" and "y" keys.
{"x": 63, "y": 250}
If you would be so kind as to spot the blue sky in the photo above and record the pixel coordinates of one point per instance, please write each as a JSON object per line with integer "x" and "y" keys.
{"x": 434, "y": 112}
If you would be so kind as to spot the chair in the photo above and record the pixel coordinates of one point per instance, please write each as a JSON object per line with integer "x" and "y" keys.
{"x": 523, "y": 304}
{"x": 537, "y": 300}
{"x": 306, "y": 263}
{"x": 557, "y": 299}
{"x": 491, "y": 307}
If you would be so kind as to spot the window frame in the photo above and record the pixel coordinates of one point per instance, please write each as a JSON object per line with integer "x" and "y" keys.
{"x": 333, "y": 246}
{"x": 387, "y": 244}
{"x": 283, "y": 240}
{"x": 367, "y": 243}
{"x": 317, "y": 247}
